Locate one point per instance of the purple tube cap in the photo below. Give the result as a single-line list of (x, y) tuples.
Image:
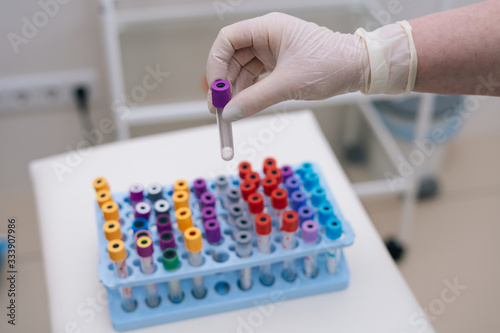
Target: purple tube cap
[(286, 171), (144, 251), (167, 240), (212, 231), (136, 192), (221, 93), (310, 231), (199, 187), (207, 200), (163, 223), (208, 213)]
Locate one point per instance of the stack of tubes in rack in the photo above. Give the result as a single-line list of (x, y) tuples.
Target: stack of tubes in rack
[(252, 213)]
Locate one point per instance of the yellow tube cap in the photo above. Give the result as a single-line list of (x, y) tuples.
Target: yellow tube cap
[(181, 185), (192, 237), (111, 211), (100, 183), (116, 250), (112, 230), (184, 218), (102, 197), (181, 199)]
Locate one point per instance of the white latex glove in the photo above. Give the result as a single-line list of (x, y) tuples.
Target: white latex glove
[(305, 62)]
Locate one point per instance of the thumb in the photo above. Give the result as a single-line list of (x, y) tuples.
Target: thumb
[(262, 94)]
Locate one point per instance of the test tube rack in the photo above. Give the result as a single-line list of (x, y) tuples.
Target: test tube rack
[(220, 268)]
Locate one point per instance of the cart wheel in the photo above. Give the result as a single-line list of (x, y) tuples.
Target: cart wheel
[(395, 248), (355, 153), (428, 189)]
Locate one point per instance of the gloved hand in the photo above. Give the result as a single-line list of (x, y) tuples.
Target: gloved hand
[(304, 62)]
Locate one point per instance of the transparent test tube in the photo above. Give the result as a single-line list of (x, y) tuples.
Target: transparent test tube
[(290, 225), (221, 95), (310, 236), (144, 247), (171, 263), (263, 228), (333, 231), (192, 237), (243, 249), (118, 254)]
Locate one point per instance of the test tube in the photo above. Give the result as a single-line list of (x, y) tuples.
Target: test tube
[(253, 177), (244, 168), (246, 189), (155, 192), (199, 187), (333, 232), (298, 199), (235, 211), (276, 174), (111, 212), (139, 224), (269, 163), (289, 227), (212, 232), (292, 184), (305, 213), (269, 184), (144, 247), (136, 193), (255, 205), (208, 199), (100, 183), (263, 228), (184, 219), (171, 263), (243, 249), (286, 172), (103, 197), (142, 233), (304, 169), (243, 224), (208, 213), (310, 236), (279, 201), (311, 180), (112, 230), (221, 95), (318, 196), (142, 210), (118, 254), (233, 196), (163, 223), (194, 244), (325, 213), (221, 186), (161, 206), (181, 199), (181, 185), (167, 240)]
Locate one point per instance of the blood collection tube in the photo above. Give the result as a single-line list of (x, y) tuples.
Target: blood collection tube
[(118, 254), (289, 227), (144, 247), (155, 192), (298, 199), (184, 219), (276, 174), (243, 249), (304, 169), (181, 185), (305, 213), (286, 172), (194, 244), (142, 233), (233, 196), (199, 187), (325, 212), (212, 232), (136, 193), (246, 189), (235, 211), (263, 228), (318, 196), (208, 213), (243, 224), (269, 163), (221, 95), (163, 223), (161, 206), (253, 177), (269, 184), (103, 197), (181, 199), (142, 210), (255, 205), (244, 168), (112, 230), (310, 236), (279, 201), (311, 180), (139, 224), (221, 186), (171, 263), (333, 232), (100, 183), (111, 211), (292, 184), (208, 199), (167, 240)]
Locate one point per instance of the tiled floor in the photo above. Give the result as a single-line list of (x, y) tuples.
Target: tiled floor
[(455, 237)]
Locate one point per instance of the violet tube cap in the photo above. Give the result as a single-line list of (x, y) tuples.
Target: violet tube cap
[(305, 213), (212, 231), (167, 240), (208, 213), (136, 193), (163, 223), (142, 210), (286, 171), (199, 187), (146, 251), (310, 231), (207, 200), (221, 93)]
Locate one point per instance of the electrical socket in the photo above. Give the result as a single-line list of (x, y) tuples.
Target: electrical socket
[(41, 91)]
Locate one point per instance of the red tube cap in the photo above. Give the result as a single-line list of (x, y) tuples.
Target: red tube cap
[(290, 221), (253, 177), (256, 203), (269, 163), (263, 225), (247, 188), (244, 169), (279, 198), (276, 174), (269, 184)]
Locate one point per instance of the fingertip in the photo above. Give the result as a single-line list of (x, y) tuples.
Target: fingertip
[(232, 113)]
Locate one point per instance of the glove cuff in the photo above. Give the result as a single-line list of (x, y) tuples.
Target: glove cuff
[(392, 58)]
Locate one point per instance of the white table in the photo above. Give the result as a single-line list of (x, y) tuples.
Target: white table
[(377, 299)]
